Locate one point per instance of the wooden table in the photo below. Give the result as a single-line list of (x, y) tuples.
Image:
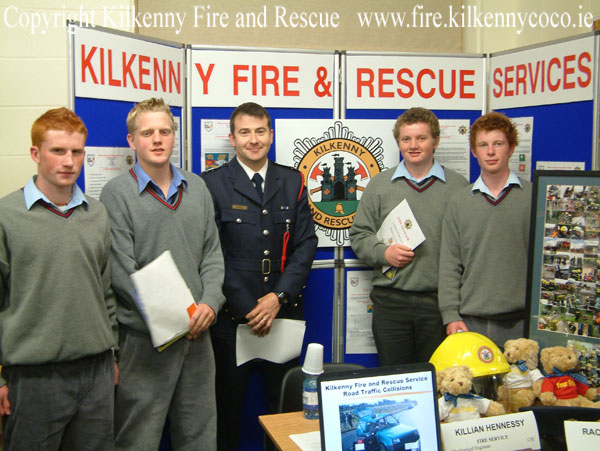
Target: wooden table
[(280, 426)]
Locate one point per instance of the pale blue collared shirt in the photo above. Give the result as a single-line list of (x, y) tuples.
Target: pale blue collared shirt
[(436, 171), (480, 185), (32, 194), (144, 179)]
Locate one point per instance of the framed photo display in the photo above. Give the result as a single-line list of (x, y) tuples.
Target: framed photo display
[(564, 264)]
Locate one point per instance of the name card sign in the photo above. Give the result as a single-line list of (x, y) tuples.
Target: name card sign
[(504, 432), (582, 434)]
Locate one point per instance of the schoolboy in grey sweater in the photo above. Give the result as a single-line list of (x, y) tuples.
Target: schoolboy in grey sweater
[(153, 208), (485, 235), (407, 325), (57, 309)]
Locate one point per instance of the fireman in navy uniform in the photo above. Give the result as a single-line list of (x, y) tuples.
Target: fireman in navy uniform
[(268, 240)]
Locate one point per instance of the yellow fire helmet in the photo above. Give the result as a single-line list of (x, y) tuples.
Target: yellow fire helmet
[(476, 351)]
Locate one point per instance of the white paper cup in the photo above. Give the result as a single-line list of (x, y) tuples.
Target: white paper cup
[(313, 361)]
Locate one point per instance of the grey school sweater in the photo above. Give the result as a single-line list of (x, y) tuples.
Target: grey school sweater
[(381, 196), (143, 227), (56, 303), (483, 260)]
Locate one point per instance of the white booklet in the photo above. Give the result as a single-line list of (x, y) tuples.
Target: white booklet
[(400, 227), (164, 300)]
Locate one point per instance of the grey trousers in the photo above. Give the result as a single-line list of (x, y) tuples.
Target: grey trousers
[(407, 325), (496, 330), (67, 406), (178, 382)]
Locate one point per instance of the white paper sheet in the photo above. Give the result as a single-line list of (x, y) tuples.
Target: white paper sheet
[(163, 299), (283, 343), (309, 441), (520, 162), (103, 164), (359, 313), (400, 226), (453, 151)]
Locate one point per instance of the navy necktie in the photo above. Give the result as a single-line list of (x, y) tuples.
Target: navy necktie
[(257, 179)]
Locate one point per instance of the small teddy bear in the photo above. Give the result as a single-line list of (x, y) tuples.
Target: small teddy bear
[(562, 386), (522, 385), (457, 403)]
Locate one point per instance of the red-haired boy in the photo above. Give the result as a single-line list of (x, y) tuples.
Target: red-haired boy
[(485, 236), (57, 309)]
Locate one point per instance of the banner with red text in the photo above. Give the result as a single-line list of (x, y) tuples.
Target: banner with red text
[(437, 82), (280, 79), (108, 65), (544, 75)]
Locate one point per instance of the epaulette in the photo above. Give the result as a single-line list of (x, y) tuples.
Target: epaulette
[(215, 168), (285, 166)]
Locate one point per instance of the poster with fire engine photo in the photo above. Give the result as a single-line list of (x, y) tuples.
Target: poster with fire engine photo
[(564, 270)]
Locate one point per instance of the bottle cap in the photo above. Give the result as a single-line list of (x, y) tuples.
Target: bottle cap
[(313, 361)]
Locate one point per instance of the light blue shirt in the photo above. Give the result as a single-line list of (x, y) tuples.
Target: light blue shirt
[(480, 186), (32, 194), (436, 171), (144, 179)]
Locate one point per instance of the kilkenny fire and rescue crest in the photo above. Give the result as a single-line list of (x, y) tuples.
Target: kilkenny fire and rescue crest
[(337, 166)]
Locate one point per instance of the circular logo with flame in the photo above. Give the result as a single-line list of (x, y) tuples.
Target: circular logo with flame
[(337, 167)]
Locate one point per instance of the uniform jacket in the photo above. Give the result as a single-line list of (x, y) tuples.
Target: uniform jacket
[(252, 237)]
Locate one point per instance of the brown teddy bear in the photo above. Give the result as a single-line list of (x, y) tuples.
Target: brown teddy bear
[(522, 385), (456, 402), (562, 386)]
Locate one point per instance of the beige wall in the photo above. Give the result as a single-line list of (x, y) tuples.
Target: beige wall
[(33, 66), (495, 39), (33, 76), (338, 25)]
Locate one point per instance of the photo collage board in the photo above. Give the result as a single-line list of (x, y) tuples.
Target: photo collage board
[(566, 268)]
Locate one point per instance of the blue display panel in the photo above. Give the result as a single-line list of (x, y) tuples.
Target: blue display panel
[(200, 113), (441, 114), (318, 311), (105, 122), (368, 360), (561, 132)]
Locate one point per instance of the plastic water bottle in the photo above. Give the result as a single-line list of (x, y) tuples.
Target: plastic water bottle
[(313, 366), (310, 397)]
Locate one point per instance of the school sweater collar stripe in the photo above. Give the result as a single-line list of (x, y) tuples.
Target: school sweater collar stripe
[(160, 199), (495, 202), (48, 206), (420, 187)]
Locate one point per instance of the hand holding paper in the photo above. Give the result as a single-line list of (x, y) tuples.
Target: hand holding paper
[(261, 317), (398, 255), (202, 316), (400, 227)]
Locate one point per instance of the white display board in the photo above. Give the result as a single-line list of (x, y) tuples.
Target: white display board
[(544, 75), (222, 78), (404, 81), (115, 66)]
